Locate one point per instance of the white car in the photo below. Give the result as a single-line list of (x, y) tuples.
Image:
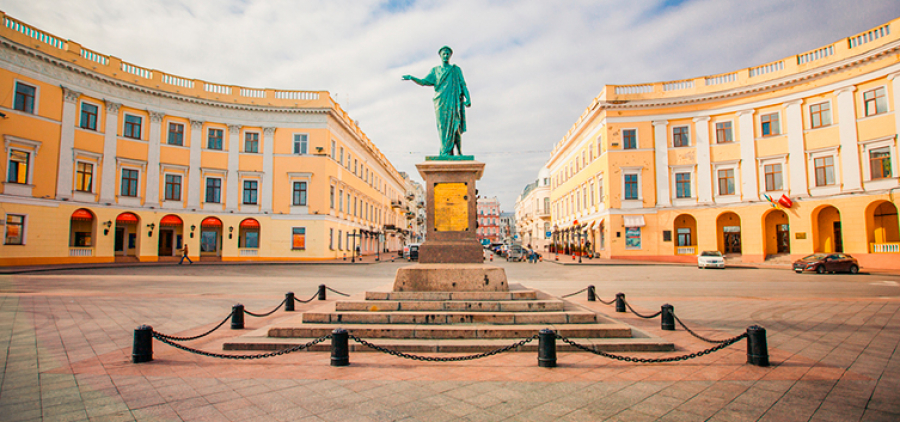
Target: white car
[(710, 259)]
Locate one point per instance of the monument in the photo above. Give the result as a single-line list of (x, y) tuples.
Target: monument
[(450, 259)]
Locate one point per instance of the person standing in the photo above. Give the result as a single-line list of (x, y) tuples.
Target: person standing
[(184, 255)]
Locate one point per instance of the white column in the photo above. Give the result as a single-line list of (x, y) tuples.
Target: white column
[(268, 178), (749, 189), (67, 145), (895, 82), (152, 197), (704, 172), (110, 140), (661, 150), (232, 198), (797, 180), (195, 187), (846, 108)]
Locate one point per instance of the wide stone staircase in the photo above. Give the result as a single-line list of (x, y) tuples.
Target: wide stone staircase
[(451, 322)]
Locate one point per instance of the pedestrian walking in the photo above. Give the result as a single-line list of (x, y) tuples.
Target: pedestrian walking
[(184, 255), (530, 254)]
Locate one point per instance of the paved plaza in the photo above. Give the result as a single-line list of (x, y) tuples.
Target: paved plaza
[(66, 339)]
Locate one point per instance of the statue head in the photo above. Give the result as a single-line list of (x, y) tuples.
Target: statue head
[(450, 50)]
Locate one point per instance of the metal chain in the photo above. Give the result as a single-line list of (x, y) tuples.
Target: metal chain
[(335, 291), (267, 313), (173, 338), (695, 334), (718, 347), (307, 300), (443, 359), (573, 294), (223, 356), (642, 316)]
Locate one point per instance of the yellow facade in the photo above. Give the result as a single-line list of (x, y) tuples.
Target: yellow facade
[(662, 171), (107, 161)]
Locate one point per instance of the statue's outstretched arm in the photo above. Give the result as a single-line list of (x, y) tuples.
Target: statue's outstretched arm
[(420, 82)]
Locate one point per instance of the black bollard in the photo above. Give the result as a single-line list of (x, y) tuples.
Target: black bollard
[(592, 294), (142, 350), (620, 302), (340, 350), (321, 292), (667, 318), (289, 302), (237, 317), (547, 348), (757, 350)]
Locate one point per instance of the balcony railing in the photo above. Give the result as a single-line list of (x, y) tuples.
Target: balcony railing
[(686, 250), (885, 247), (249, 252), (81, 251)]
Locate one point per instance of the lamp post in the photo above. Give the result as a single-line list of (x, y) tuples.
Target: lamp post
[(580, 245), (353, 252)]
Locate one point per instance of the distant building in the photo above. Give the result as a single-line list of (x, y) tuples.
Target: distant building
[(508, 228), (533, 213), (489, 220)]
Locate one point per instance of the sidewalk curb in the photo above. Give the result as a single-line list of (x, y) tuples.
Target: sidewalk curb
[(67, 267)]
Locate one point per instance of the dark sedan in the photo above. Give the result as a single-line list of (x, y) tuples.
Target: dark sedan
[(827, 262)]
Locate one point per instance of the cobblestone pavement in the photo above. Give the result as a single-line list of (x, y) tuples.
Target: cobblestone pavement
[(66, 337)]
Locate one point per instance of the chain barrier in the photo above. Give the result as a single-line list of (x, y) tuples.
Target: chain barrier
[(267, 313), (715, 348), (443, 359), (307, 300), (174, 338), (642, 316), (695, 334), (162, 338), (605, 302), (573, 294), (335, 291)]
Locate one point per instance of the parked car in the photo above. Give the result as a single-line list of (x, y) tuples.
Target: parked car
[(515, 253), (408, 248), (827, 262), (710, 259), (413, 253)]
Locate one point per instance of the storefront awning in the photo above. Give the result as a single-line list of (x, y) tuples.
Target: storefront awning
[(126, 217), (82, 215), (211, 222), (634, 221), (170, 220), (250, 224)]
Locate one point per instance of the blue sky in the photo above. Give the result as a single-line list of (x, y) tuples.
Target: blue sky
[(532, 66)]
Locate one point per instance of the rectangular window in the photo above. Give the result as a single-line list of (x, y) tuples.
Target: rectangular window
[(214, 139), (773, 177), (88, 116), (333, 150), (824, 170), (769, 124), (213, 190), (251, 142), (299, 193), (724, 133), (25, 95), (176, 134), (173, 187), (339, 237), (331, 199), (15, 229), (682, 185), (298, 238), (132, 127), (819, 115), (17, 170), (341, 201), (684, 236), (250, 191), (129, 182), (880, 162), (331, 237), (84, 177), (680, 137), (632, 238), (875, 101), (341, 155), (726, 182), (631, 186), (629, 139), (301, 141)]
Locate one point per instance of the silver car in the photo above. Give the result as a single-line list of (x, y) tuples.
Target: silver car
[(516, 253)]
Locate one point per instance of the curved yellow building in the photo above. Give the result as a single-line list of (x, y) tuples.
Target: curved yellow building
[(104, 160), (768, 163)]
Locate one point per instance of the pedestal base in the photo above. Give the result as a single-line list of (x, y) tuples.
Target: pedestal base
[(450, 252), (451, 278)]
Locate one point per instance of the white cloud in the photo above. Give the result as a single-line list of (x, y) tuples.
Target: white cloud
[(532, 66)]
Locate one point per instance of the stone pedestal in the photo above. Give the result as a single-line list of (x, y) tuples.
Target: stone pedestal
[(451, 259)]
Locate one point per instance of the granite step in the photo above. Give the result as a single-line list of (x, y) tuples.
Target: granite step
[(457, 331), (450, 306), (513, 294), (445, 318)]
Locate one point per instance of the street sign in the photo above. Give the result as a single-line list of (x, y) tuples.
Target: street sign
[(548, 235), (485, 242)]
